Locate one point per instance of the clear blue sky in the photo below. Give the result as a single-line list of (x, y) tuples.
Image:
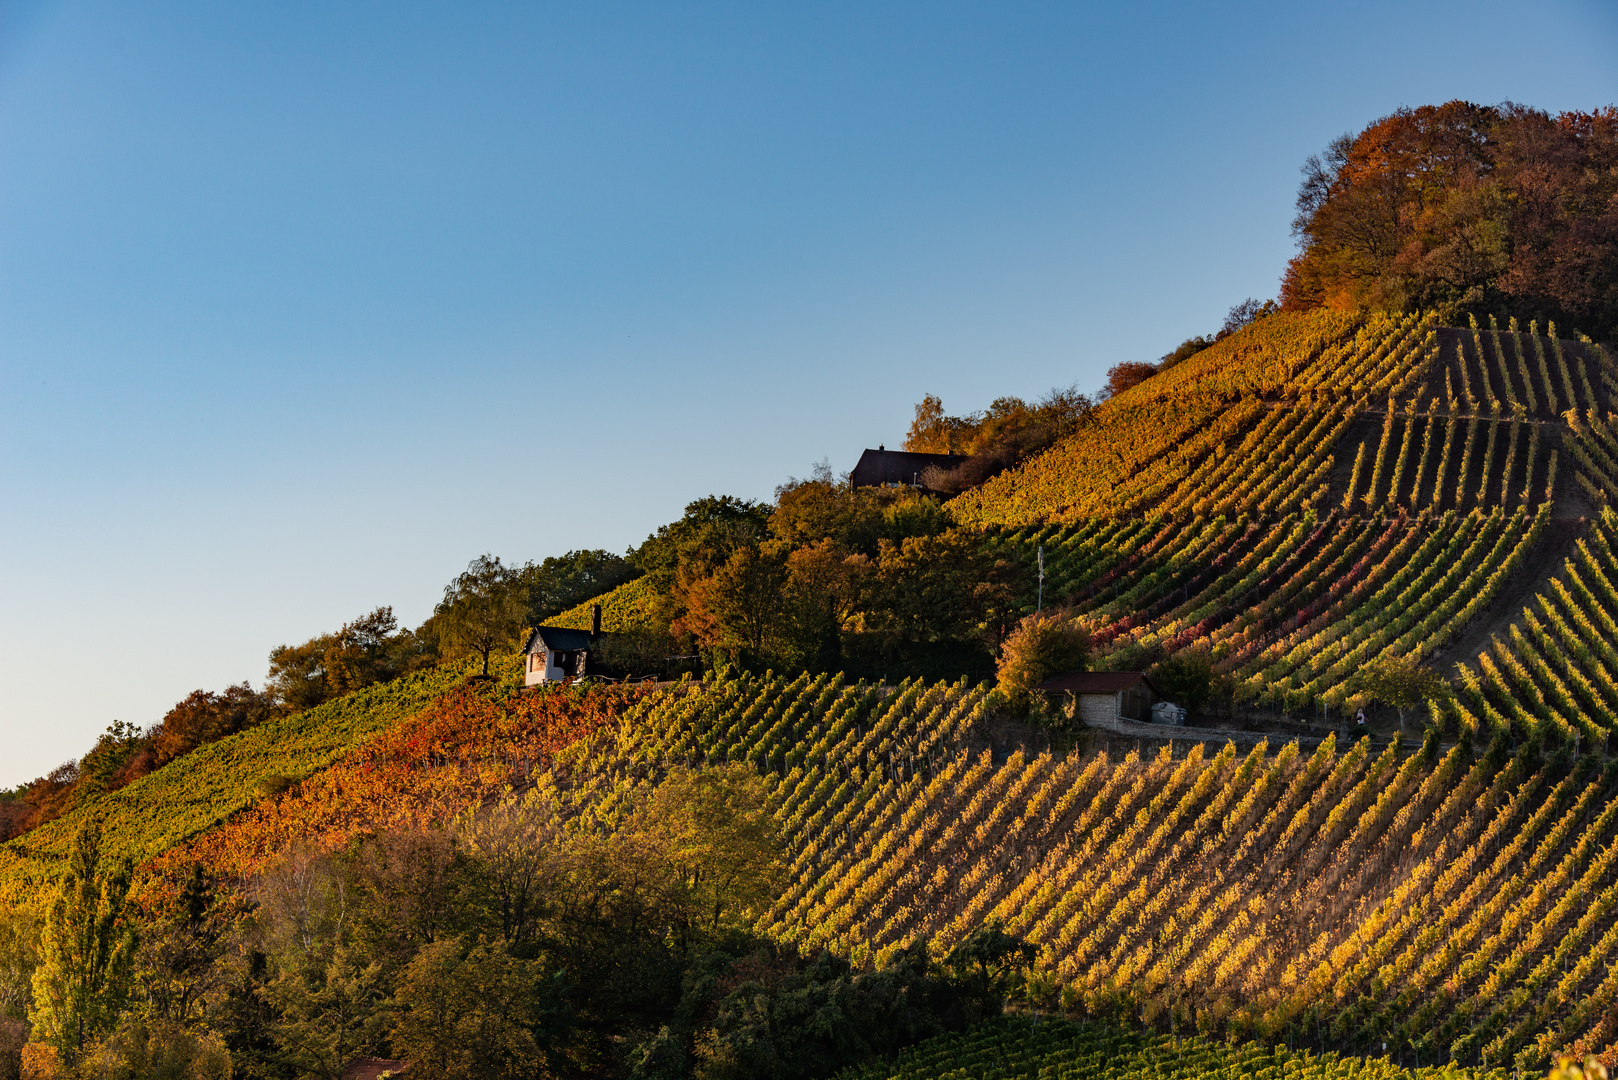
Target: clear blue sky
[(304, 305)]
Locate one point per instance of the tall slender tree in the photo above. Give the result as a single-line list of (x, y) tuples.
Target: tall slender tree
[(87, 953)]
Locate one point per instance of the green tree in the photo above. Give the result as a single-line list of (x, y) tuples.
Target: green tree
[(477, 1013), (1185, 679), (1400, 681), (937, 588), (482, 609), (327, 1016), (986, 965), (561, 582), (713, 830), (711, 529), (87, 951)]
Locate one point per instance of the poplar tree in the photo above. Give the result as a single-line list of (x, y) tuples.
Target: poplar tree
[(87, 952)]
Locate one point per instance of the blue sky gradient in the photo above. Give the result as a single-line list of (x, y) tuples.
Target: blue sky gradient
[(303, 306)]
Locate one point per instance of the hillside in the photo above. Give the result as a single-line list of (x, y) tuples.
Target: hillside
[(1384, 497), (200, 791), (1451, 903), (1322, 489), (1308, 495)]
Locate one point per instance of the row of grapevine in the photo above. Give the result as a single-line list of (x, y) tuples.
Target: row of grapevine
[(1498, 463), (1288, 609), (1535, 372), (1030, 1048), (1555, 669), (1467, 419)]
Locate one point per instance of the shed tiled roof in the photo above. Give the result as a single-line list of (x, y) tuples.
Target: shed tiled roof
[(1095, 682), (563, 638)]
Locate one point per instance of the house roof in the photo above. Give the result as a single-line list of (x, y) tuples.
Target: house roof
[(897, 467), (370, 1068), (557, 638), (1095, 682)]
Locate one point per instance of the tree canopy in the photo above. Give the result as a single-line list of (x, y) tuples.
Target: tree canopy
[(1468, 209)]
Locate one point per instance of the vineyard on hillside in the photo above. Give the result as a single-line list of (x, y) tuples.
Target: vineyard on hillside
[(199, 791), (1323, 410), (1376, 497), (465, 748), (1456, 905), (1022, 1048)]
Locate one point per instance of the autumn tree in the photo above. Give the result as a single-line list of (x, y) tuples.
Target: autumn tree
[(204, 716), (1467, 209), (1008, 431), (1043, 644), (482, 610), (1127, 376)]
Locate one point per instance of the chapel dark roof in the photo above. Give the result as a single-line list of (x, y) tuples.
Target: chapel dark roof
[(897, 467), (1095, 682), (557, 638)]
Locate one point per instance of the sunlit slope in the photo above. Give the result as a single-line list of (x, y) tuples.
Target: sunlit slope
[(1384, 502), (464, 748), (200, 790), (1436, 900), (628, 606), (1324, 410)]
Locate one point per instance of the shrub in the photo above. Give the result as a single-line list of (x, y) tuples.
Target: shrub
[(1042, 645)]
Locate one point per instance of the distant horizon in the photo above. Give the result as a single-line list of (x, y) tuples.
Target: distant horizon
[(302, 308)]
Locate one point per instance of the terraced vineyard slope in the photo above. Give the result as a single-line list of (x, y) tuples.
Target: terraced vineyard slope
[(1338, 492), (1456, 905)]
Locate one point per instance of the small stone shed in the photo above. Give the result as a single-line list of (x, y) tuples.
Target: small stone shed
[(1105, 697)]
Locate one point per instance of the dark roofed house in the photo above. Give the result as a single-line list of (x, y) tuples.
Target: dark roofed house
[(882, 466), (552, 653), (1105, 697)]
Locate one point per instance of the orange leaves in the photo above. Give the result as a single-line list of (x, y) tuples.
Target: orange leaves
[(465, 746)]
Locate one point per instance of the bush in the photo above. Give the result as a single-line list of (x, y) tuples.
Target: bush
[(1042, 645), (1185, 679)]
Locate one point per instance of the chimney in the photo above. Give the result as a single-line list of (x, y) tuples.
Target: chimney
[(595, 621)]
